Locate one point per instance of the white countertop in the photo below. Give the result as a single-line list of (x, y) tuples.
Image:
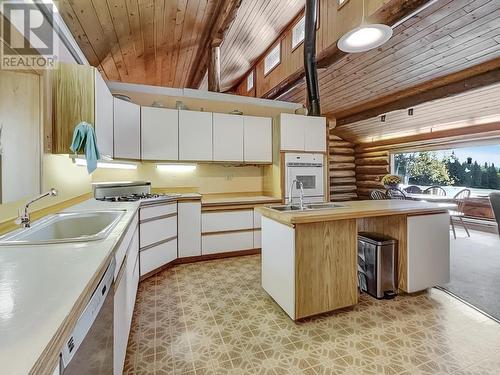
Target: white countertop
[(39, 286)]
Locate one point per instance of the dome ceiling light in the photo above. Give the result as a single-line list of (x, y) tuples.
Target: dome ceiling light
[(365, 37)]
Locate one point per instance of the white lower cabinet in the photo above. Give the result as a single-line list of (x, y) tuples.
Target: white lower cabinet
[(125, 290), (428, 251), (219, 221), (188, 229), (158, 230), (226, 242), (157, 256), (257, 239)]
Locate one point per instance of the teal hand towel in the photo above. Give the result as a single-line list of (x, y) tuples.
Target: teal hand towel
[(84, 136)]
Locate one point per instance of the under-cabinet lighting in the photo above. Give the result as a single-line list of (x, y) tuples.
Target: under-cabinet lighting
[(176, 167), (106, 165)]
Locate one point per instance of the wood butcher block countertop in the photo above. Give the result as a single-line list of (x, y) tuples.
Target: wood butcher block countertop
[(356, 210)]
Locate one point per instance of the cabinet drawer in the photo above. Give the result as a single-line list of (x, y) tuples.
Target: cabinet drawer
[(158, 210), (257, 239), (228, 220), (158, 230), (157, 256), (226, 242), (125, 244)]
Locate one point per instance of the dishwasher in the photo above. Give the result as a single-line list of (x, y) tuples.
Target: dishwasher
[(89, 348)]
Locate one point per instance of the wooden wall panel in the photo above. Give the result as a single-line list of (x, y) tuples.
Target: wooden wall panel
[(326, 276)]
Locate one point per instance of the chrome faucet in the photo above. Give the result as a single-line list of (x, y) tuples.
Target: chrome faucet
[(23, 218), (301, 197)]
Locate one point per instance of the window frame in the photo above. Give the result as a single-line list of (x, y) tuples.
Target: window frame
[(278, 44), (293, 27), (251, 74)]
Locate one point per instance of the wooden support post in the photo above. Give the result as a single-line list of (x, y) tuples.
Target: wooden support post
[(214, 69)]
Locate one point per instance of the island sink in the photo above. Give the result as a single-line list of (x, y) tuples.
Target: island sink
[(66, 227), (308, 207)]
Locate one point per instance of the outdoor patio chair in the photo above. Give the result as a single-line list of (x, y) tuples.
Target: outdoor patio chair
[(377, 195), (395, 193), (495, 204), (459, 212), (435, 190), (413, 189)]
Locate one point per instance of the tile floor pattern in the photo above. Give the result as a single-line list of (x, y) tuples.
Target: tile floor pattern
[(214, 318)]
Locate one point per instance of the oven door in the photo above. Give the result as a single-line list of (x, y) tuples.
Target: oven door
[(312, 181)]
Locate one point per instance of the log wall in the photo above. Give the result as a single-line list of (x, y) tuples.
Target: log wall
[(370, 168), (342, 170)]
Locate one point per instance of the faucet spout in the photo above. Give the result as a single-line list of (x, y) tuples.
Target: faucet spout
[(23, 218)]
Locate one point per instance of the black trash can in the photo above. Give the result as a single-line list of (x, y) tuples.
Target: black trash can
[(377, 264)]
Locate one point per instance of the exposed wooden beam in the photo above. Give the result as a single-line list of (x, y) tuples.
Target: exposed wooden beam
[(214, 69), (452, 84), (442, 138), (221, 20)]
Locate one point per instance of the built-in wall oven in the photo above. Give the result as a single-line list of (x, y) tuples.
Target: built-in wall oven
[(308, 169)]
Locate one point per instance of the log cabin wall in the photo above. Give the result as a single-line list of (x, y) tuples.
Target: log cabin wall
[(342, 170), (370, 168)]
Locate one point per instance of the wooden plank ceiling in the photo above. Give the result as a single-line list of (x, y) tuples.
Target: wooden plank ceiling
[(159, 42), (448, 37), (472, 108)]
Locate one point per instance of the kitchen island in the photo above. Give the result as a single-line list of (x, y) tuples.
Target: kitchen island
[(309, 258)]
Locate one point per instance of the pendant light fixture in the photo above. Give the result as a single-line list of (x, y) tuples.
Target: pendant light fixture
[(365, 37)]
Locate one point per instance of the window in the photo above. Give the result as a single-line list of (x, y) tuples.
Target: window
[(475, 168), (250, 81), (298, 32), (273, 58)]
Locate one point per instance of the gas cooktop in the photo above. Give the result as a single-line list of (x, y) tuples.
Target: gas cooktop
[(136, 197)]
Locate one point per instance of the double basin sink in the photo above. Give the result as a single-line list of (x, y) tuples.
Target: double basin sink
[(66, 227), (308, 207)]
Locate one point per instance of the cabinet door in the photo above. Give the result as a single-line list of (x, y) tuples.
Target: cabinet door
[(160, 133), (120, 323), (228, 137), (103, 117), (258, 139), (292, 132), (195, 135), (428, 251), (132, 281), (127, 129), (315, 134), (189, 229)]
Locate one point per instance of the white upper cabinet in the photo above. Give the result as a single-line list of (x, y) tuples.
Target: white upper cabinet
[(195, 135), (103, 116), (159, 133), (127, 129), (302, 133), (315, 134), (292, 132), (258, 139), (228, 137)]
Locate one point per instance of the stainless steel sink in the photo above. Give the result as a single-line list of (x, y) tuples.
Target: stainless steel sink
[(308, 207), (324, 206), (286, 208), (66, 227)]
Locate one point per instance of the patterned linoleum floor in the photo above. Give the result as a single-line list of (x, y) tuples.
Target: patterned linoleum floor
[(214, 318)]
